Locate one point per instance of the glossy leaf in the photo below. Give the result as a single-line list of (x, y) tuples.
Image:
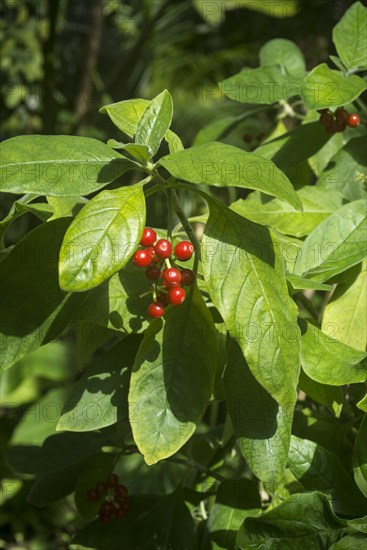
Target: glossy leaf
[(362, 404), (46, 310), (350, 542), (63, 207), (318, 469), (324, 87), (286, 53), (300, 283), (347, 309), (58, 166), (246, 281), (136, 150), (99, 398), (360, 457), (304, 521), (350, 37), (236, 499), (328, 361), (164, 405), (318, 204), (223, 165), (330, 396), (336, 244), (154, 122), (264, 85), (359, 524), (262, 427), (102, 238)]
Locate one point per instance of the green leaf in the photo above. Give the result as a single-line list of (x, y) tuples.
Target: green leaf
[(99, 398), (58, 166), (154, 122), (262, 427), (347, 309), (246, 281), (350, 37), (300, 283), (322, 157), (236, 499), (362, 404), (174, 142), (63, 207), (347, 171), (317, 205), (165, 520), (102, 238), (360, 457), (46, 310), (54, 486), (328, 361), (350, 542), (336, 244), (41, 210), (139, 152), (212, 11), (304, 521), (164, 404), (318, 469), (285, 53), (223, 165), (359, 524), (264, 85), (324, 87), (116, 304), (330, 396)]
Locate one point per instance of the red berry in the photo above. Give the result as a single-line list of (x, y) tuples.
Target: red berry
[(154, 256), (101, 488), (121, 491), (340, 126), (171, 275), (327, 120), (176, 296), (112, 480), (168, 286), (106, 509), (187, 277), (156, 309), (162, 298), (149, 237), (153, 273), (104, 519), (92, 495), (247, 138), (353, 120), (163, 249), (184, 250), (341, 115), (142, 258)]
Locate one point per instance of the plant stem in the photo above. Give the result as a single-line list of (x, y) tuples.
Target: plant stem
[(170, 214), (188, 228)]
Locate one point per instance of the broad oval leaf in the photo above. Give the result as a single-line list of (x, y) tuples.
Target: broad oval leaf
[(172, 380), (102, 238), (261, 426), (245, 278), (337, 243), (328, 361), (324, 87), (350, 37), (59, 166), (360, 457), (285, 53), (223, 165), (139, 152), (330, 396), (155, 122)]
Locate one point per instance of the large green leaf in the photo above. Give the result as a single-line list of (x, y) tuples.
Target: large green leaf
[(163, 522), (360, 457), (304, 521), (330, 396), (139, 152), (58, 166), (264, 85), (246, 281), (53, 486), (172, 380), (351, 542), (261, 426), (223, 165), (337, 243), (29, 277), (236, 499), (99, 398), (318, 204), (328, 361), (102, 238), (318, 469), (154, 122), (285, 53), (347, 309), (324, 87), (350, 37), (213, 11), (347, 170)]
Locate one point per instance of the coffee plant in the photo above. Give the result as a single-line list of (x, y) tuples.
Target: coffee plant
[(224, 401)]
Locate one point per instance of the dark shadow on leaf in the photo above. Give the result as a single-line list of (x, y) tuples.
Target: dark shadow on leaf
[(114, 169)]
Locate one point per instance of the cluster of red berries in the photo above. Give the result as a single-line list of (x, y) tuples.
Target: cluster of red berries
[(338, 121), (115, 499), (166, 281)]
